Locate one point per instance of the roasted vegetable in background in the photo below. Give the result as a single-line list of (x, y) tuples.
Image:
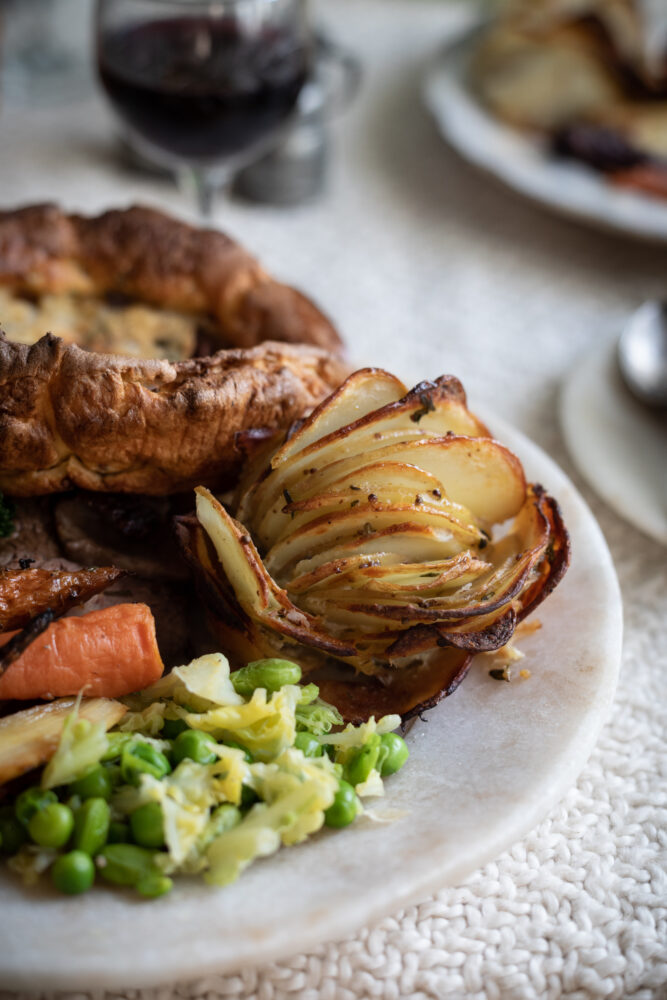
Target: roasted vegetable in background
[(25, 593), (30, 737), (366, 536)]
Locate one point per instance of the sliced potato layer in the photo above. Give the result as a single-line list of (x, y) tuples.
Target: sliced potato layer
[(365, 537)]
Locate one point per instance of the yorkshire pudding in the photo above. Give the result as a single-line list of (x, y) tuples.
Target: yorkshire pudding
[(70, 417), (134, 411), (140, 283)]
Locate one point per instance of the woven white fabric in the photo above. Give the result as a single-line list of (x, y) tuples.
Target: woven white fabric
[(429, 267)]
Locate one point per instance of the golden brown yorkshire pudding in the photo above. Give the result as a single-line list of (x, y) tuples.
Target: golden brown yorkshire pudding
[(70, 417), (140, 283)]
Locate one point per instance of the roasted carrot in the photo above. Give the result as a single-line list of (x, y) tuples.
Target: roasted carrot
[(106, 653)]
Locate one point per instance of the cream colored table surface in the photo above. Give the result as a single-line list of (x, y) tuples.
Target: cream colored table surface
[(428, 267)]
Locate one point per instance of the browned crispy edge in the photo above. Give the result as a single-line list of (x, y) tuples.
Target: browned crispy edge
[(154, 258), (72, 418)]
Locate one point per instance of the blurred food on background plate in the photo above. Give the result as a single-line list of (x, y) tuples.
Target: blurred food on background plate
[(591, 75)]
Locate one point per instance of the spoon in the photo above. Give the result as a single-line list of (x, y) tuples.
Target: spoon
[(642, 354)]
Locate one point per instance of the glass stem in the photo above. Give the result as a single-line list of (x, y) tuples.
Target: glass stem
[(202, 185)]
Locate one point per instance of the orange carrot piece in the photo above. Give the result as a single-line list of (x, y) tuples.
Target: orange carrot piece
[(106, 653)]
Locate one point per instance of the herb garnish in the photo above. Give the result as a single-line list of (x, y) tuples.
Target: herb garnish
[(289, 500), (427, 406), (500, 673)]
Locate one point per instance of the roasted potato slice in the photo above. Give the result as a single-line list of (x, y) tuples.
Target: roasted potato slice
[(479, 478), (375, 547), (432, 409), (256, 593), (346, 527)]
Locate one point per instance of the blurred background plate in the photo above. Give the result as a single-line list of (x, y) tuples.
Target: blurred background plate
[(485, 766), (520, 161), (618, 445)]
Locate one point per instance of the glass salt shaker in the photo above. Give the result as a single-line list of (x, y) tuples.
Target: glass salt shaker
[(294, 170)]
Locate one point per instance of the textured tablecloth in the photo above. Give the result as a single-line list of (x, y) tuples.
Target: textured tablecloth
[(429, 267)]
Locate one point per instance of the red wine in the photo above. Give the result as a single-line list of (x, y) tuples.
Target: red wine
[(200, 89)]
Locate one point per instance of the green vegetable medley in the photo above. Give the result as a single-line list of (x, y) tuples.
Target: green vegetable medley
[(206, 772)]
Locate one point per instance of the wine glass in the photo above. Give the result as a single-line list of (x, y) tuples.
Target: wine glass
[(203, 88)]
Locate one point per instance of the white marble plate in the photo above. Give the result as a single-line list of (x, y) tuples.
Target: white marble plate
[(484, 769), (523, 164), (618, 446)]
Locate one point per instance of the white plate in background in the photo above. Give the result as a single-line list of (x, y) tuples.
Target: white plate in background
[(618, 445), (519, 161)]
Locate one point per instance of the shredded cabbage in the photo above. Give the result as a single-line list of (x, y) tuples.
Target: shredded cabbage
[(251, 789), (82, 746), (202, 684), (357, 736), (266, 724), (317, 717), (296, 791)]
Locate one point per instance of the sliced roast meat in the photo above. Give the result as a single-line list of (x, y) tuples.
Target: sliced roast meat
[(34, 539), (133, 533)]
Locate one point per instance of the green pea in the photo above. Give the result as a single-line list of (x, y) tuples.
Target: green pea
[(52, 825), (142, 758), (96, 783), (172, 728), (271, 674), (222, 819), (126, 864), (73, 873), (394, 753), (91, 826), (30, 801), (153, 886), (344, 807), (196, 745), (308, 745), (119, 833), (12, 834), (362, 761), (147, 825)]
